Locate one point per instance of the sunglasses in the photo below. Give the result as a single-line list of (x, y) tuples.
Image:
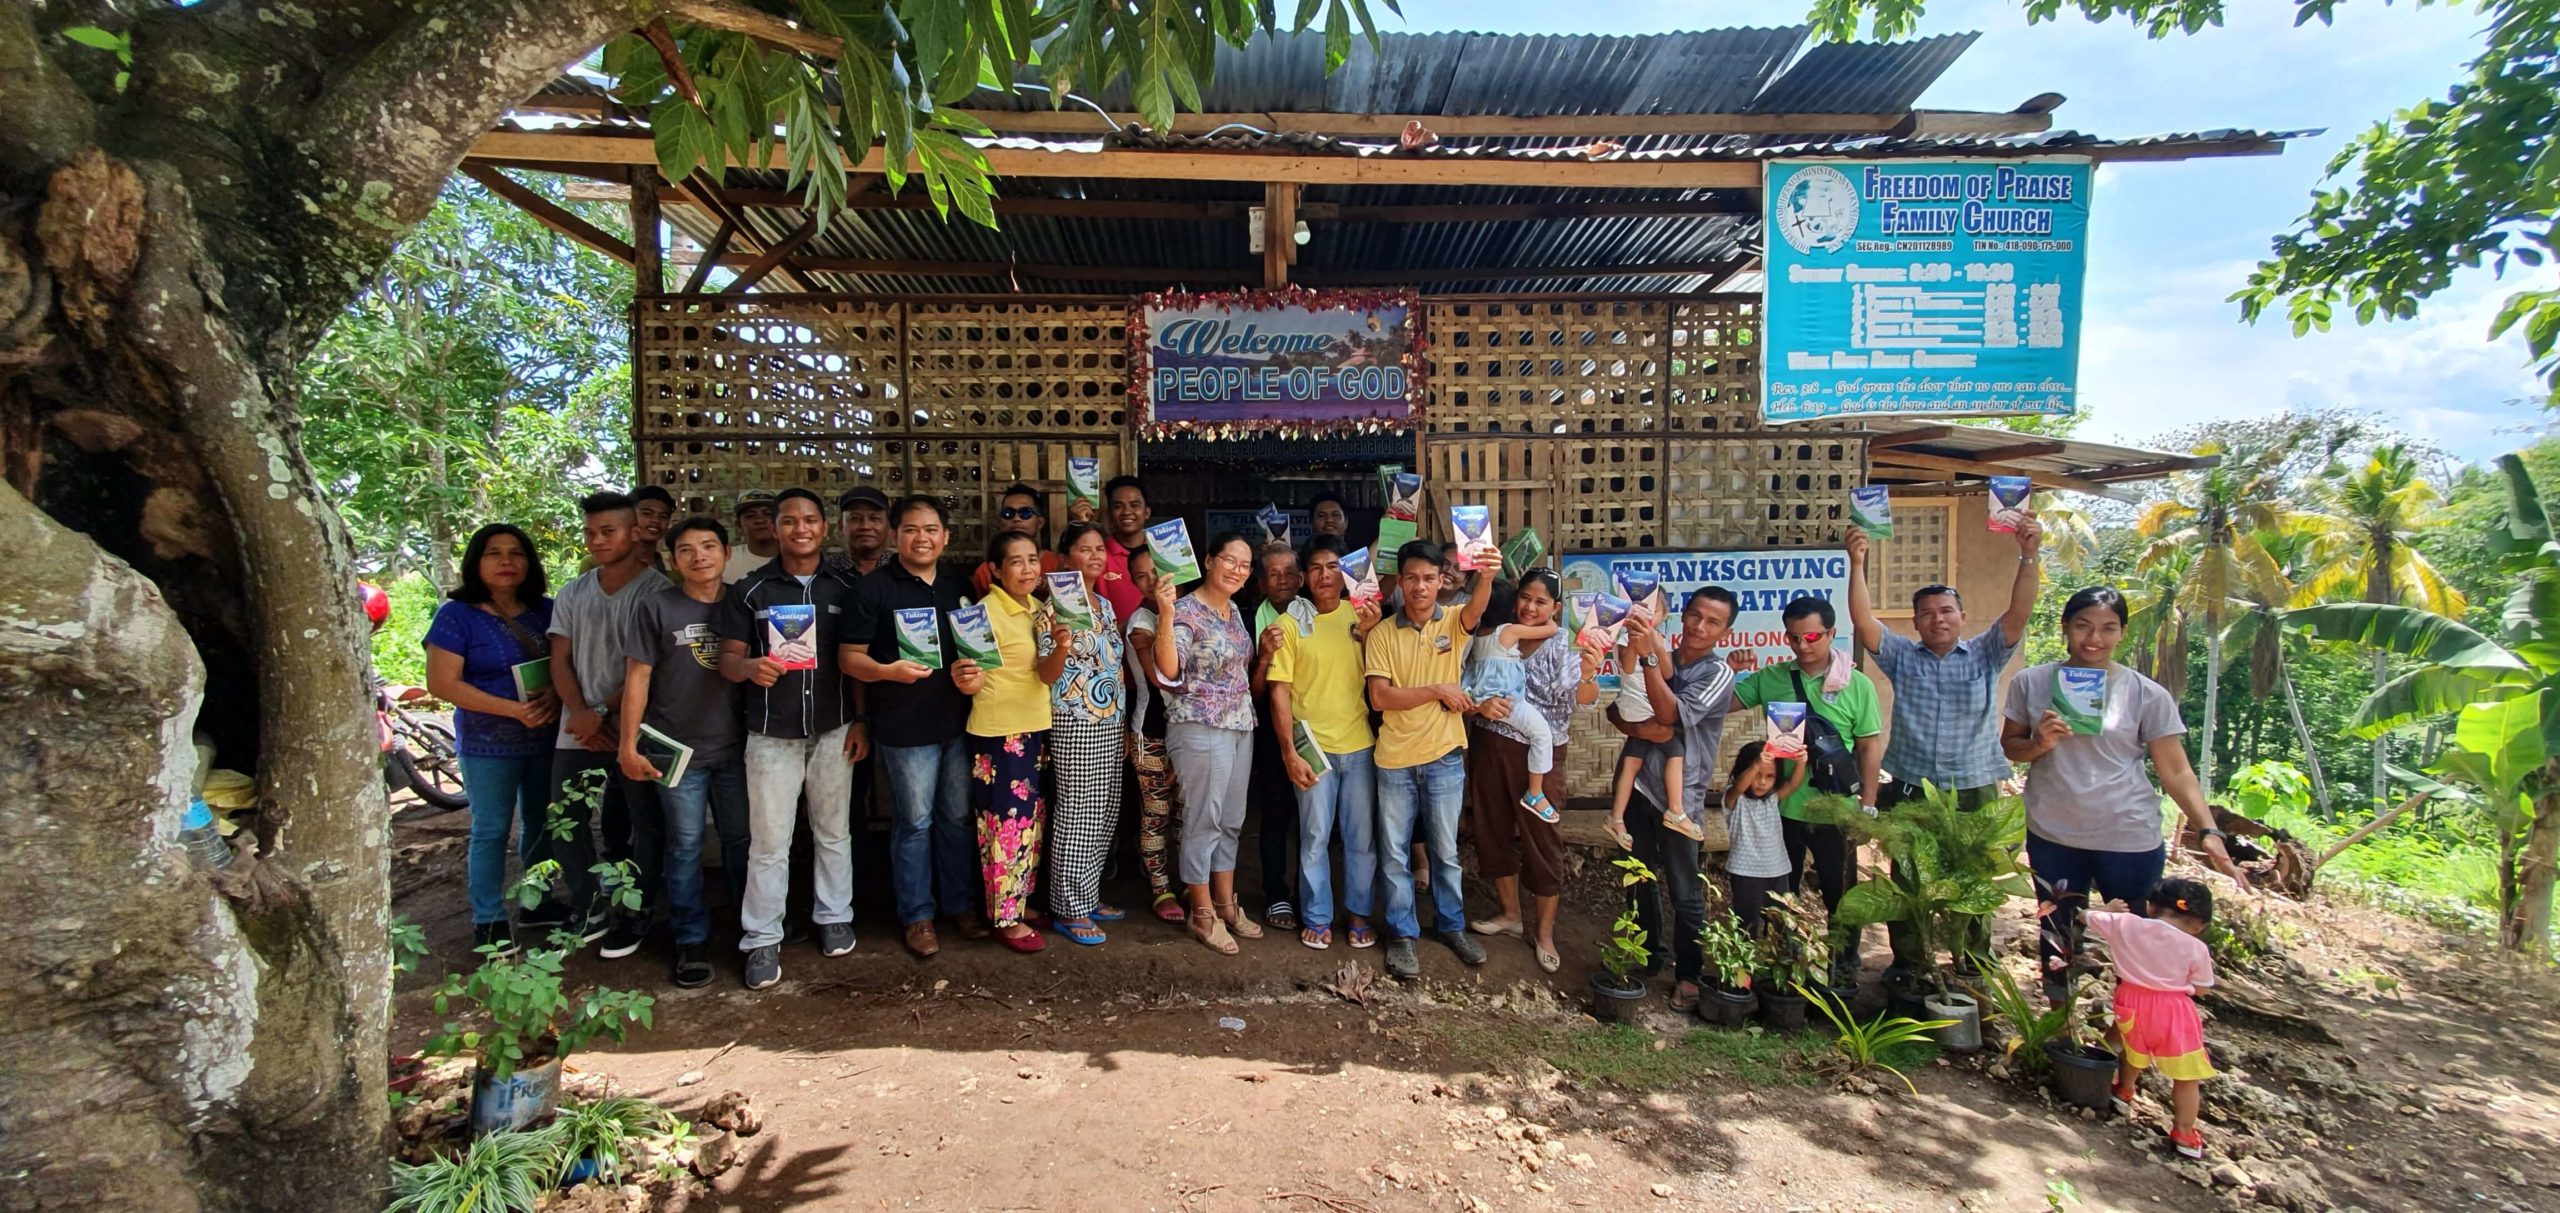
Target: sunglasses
[(1015, 513), (1808, 637)]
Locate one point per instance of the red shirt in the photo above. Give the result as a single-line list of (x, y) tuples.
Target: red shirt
[(1116, 586), (985, 577)]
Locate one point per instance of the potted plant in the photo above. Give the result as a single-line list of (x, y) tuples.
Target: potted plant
[(531, 1021), (1618, 987), (1730, 952), (1792, 953), (1951, 867)]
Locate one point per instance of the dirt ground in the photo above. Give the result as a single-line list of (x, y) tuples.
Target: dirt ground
[(2418, 1076)]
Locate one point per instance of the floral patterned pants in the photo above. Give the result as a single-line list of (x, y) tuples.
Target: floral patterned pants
[(1004, 788), (1159, 807)]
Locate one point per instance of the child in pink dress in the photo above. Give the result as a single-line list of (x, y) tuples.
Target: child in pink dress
[(2161, 961)]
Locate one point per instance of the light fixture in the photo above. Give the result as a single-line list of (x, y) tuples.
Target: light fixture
[(1300, 233)]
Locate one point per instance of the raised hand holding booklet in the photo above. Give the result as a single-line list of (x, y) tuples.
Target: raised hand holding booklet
[(1067, 599), (1523, 551), (1579, 608), (1275, 522), (1360, 575), (2080, 695), (974, 634), (2009, 502), (1609, 615), (1872, 509), (1084, 479), (1170, 541), (1786, 730), (1404, 497), (920, 636), (791, 635), (1470, 535), (1638, 587)]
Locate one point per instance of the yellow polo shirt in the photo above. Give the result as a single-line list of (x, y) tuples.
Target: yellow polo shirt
[(1013, 699), (1407, 655), (1327, 687)]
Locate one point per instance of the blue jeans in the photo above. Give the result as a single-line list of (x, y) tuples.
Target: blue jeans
[(500, 788), (2066, 876), (933, 841), (1426, 798), (1344, 799), (722, 790)]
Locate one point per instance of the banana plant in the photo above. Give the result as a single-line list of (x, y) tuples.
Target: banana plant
[(2504, 694), (1950, 866)]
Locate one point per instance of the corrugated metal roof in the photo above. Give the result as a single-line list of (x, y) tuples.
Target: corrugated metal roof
[(1861, 77), (2075, 458)]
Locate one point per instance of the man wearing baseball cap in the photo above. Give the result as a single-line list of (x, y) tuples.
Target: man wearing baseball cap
[(865, 528), (757, 544)]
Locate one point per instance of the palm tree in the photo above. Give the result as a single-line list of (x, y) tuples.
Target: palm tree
[(2362, 531), (2216, 516), (2157, 628), (2070, 534)]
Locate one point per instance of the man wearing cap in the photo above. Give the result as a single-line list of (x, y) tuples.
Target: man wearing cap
[(756, 543), (865, 527)]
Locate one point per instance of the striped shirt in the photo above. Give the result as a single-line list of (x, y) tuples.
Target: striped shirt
[(1946, 710)]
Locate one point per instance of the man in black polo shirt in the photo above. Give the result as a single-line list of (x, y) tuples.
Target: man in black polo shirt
[(915, 718)]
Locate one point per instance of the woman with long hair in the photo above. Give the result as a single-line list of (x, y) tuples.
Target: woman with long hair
[(1518, 847), (493, 624)]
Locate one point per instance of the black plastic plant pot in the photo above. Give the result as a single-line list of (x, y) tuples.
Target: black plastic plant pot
[(1612, 1002), (1782, 1012), (1726, 1008), (2084, 1076)]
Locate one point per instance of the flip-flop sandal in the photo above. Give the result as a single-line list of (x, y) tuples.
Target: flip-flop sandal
[(1281, 916), (1169, 909), (1540, 807), (1364, 935), (1318, 938), (1080, 930), (1108, 914)]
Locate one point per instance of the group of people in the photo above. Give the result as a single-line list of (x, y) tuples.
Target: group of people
[(1375, 726)]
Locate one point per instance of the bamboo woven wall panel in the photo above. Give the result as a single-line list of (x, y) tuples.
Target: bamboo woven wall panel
[(1517, 479), (1915, 555), (753, 368), (1611, 494), (1714, 346), (1578, 367), (1014, 368), (1781, 489), (706, 476)]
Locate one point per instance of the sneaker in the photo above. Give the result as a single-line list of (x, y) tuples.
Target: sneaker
[(764, 967), (693, 966), (624, 936), (2190, 1142), (1401, 962), (1464, 945), (835, 938), (543, 917), (485, 933)]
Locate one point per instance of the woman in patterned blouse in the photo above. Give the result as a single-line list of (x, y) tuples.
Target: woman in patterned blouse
[(1085, 744), (1205, 657)]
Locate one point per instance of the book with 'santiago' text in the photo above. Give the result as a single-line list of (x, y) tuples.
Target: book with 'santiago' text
[(1872, 509), (1609, 617), (666, 753), (1786, 730), (791, 635), (1360, 575), (532, 677), (1470, 535), (1275, 522), (1393, 534), (1303, 739), (920, 636), (1068, 601), (2009, 501), (1523, 551), (1404, 498), (1639, 588), (974, 634), (1084, 479), (1170, 542), (2080, 695)]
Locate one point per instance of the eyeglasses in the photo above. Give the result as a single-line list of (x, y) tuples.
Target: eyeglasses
[(1232, 562), (1014, 513)]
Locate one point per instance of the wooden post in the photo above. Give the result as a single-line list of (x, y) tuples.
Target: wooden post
[(648, 258), (1279, 231)]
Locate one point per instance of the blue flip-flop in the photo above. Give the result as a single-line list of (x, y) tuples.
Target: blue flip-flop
[(1108, 914), (1089, 936)]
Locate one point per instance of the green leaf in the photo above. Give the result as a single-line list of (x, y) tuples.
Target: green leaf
[(2509, 734), (682, 133), (2430, 691), (1873, 901), (2405, 631), (96, 39)]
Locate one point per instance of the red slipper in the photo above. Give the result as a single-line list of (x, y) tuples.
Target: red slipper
[(1026, 943)]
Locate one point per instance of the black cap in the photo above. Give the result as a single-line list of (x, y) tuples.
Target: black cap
[(863, 494)]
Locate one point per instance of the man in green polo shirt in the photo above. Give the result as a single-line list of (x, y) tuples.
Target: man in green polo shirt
[(1821, 678)]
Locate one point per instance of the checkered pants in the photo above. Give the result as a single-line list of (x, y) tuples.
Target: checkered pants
[(1084, 766)]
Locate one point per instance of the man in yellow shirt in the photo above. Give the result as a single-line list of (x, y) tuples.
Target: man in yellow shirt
[(1316, 679), (1413, 664)]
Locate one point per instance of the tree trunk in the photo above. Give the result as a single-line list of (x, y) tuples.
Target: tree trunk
[(2310, 753), (2212, 699), (2381, 674), (2529, 921)]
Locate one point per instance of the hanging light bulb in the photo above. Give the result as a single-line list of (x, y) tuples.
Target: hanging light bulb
[(1299, 233)]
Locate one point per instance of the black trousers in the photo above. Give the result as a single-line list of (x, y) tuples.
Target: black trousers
[(642, 823), (1678, 876), (1273, 801)]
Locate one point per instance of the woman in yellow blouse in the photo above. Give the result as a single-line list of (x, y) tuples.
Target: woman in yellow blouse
[(1008, 734)]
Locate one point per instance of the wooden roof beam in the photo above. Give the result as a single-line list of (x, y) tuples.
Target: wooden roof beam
[(550, 214), (1222, 212), (1899, 457), (2021, 450), (772, 258), (1513, 273), (705, 198), (1905, 437)]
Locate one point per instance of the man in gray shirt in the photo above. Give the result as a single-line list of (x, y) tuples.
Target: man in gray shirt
[(1697, 692)]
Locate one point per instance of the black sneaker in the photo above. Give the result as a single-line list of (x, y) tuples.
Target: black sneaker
[(764, 967), (1401, 962), (543, 917), (485, 933), (1464, 945), (693, 966), (835, 938), (624, 936)]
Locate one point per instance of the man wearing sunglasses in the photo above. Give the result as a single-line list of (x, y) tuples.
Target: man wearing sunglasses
[(1023, 510), (1821, 677)]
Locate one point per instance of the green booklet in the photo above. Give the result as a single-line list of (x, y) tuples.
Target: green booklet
[(1393, 534), (2080, 695), (532, 678), (1084, 479), (669, 755), (1068, 601), (920, 636), (1303, 739), (1170, 543), (1872, 509), (1523, 551), (974, 634)]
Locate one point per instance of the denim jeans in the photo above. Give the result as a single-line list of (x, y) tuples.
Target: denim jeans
[(722, 791), (933, 841), (1424, 800), (779, 769), (501, 789), (1345, 801)]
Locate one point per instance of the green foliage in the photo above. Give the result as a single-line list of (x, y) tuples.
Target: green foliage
[(408, 944), (1633, 1059), (1949, 868), (119, 45), (2029, 1029), (1729, 950), (1625, 949), (2240, 936), (602, 1131), (1879, 1043), (531, 1017), (2263, 789), (500, 1173), (1794, 946), (896, 70), (400, 648)]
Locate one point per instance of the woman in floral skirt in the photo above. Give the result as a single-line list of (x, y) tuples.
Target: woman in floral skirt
[(1008, 735)]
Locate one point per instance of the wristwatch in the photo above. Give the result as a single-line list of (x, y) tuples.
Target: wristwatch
[(1648, 661)]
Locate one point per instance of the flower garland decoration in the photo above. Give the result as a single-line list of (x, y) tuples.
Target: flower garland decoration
[(1409, 357)]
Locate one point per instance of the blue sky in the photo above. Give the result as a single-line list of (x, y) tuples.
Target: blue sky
[(2170, 241)]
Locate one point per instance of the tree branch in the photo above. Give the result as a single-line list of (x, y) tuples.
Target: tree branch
[(49, 120)]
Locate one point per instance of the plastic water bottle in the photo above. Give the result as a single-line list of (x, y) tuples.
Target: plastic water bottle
[(197, 833)]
